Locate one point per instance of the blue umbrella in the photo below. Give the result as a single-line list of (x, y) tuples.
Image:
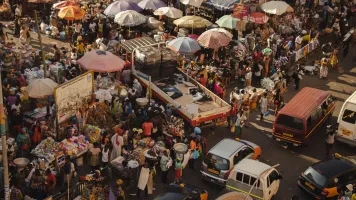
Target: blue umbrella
[(184, 45), (119, 6), (151, 4)]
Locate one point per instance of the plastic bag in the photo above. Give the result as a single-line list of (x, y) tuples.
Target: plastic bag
[(195, 154), (267, 113), (232, 129)]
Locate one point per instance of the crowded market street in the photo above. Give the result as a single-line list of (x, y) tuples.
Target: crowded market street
[(110, 110)]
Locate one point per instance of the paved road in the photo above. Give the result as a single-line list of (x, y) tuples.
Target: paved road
[(341, 83)]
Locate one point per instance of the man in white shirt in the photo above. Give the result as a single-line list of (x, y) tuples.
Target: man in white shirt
[(16, 106), (240, 120), (77, 30), (330, 139), (298, 42), (18, 11)]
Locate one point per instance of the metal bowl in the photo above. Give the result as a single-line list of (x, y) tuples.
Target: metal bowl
[(142, 102), (180, 148), (21, 162)]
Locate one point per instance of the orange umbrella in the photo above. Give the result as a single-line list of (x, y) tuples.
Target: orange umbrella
[(71, 13), (62, 4)]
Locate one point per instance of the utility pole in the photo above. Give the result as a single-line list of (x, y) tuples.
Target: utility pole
[(4, 145), (41, 47)]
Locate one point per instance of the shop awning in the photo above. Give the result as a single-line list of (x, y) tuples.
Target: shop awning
[(130, 45), (223, 4)]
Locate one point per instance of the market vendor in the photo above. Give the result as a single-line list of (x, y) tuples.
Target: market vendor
[(51, 182), (23, 143)]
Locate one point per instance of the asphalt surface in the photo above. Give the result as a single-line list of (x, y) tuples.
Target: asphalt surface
[(340, 82)]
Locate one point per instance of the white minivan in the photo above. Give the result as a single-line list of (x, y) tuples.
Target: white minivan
[(255, 178), (346, 131)]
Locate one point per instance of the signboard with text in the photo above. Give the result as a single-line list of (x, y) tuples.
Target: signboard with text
[(240, 12)]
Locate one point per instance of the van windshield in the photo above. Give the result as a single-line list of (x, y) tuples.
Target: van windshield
[(216, 162), (290, 122)]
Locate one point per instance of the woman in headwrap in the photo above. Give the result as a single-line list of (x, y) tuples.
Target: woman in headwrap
[(23, 142)]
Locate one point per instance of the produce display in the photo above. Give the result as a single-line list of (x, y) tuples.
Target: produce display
[(93, 133)]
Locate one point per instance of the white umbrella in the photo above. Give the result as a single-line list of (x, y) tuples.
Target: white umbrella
[(170, 12), (276, 7), (151, 4), (39, 88), (129, 18), (195, 3)]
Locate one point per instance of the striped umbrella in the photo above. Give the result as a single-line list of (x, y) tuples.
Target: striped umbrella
[(71, 13), (214, 39)]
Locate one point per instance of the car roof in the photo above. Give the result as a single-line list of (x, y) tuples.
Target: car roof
[(252, 167), (303, 104), (332, 167), (226, 147)]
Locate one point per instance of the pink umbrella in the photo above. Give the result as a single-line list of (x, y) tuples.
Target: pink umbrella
[(101, 61), (214, 39), (258, 18)]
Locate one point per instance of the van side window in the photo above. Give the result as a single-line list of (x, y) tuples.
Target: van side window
[(239, 176), (253, 180), (349, 116), (246, 179)]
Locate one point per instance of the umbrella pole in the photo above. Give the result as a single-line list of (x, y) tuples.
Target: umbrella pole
[(41, 47)]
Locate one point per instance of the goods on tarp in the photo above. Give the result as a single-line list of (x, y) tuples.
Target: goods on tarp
[(75, 146), (34, 73), (47, 149)]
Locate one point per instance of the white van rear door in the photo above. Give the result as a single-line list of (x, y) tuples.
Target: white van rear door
[(347, 124)]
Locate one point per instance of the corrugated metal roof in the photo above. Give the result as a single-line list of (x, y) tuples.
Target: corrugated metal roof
[(130, 45), (304, 103)]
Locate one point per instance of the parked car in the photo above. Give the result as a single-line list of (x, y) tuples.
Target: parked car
[(221, 159), (255, 178), (182, 192), (324, 179)]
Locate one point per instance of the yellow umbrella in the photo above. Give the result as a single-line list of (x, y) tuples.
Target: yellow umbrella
[(71, 13), (192, 22)]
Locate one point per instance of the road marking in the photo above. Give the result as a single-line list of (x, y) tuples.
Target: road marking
[(313, 160)]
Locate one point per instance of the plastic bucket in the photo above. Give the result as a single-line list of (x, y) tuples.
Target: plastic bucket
[(62, 35)]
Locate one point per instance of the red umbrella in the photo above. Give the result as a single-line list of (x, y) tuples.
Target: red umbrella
[(101, 61), (63, 4), (258, 18)]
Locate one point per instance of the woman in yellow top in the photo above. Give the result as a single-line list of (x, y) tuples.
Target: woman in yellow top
[(334, 60), (80, 46)]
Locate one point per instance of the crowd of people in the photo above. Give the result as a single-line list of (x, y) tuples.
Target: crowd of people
[(144, 137)]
